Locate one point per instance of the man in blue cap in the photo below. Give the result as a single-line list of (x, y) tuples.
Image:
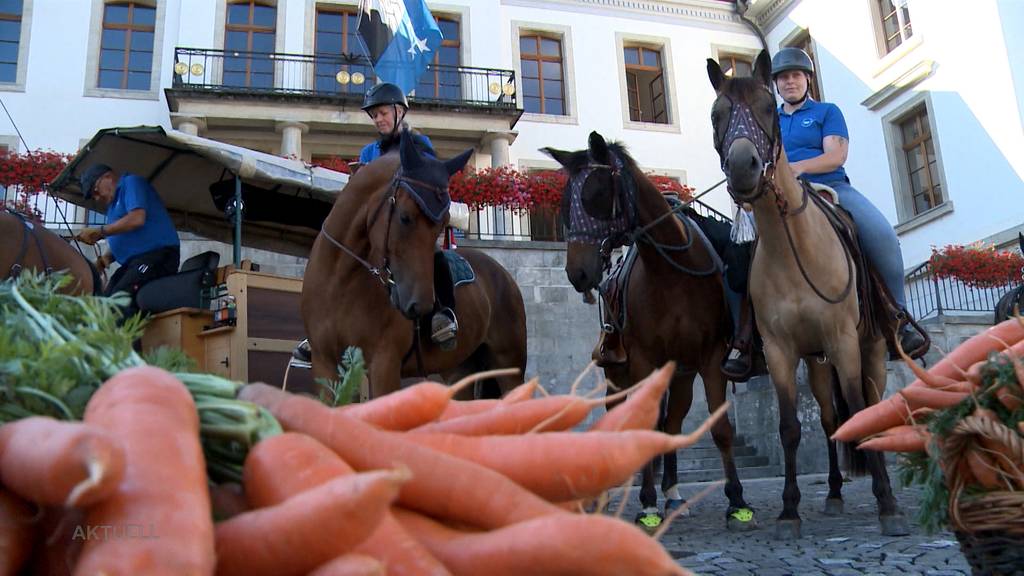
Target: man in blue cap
[(139, 232)]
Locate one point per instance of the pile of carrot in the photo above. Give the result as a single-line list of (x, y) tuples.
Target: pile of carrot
[(410, 483), (900, 423)]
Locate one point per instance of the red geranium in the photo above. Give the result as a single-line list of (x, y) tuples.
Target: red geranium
[(977, 265), (27, 174)]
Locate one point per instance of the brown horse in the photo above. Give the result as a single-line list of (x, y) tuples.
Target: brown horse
[(370, 280), (675, 303), (28, 245), (800, 287)]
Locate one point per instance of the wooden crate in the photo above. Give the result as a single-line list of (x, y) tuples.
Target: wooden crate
[(178, 328)]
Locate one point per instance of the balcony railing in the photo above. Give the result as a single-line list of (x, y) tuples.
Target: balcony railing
[(929, 295), (346, 77)]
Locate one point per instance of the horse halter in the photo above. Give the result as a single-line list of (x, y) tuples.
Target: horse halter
[(743, 124), (603, 232)]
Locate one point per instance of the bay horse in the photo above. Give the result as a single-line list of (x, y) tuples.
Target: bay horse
[(800, 282), (675, 303), (370, 278), (1013, 301), (28, 245)]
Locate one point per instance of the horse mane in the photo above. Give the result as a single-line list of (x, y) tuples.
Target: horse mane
[(579, 159)]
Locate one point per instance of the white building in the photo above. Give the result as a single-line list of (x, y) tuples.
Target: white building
[(633, 70)]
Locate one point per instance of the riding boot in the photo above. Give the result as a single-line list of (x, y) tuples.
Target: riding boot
[(914, 343), (444, 326), (742, 367), (610, 349)]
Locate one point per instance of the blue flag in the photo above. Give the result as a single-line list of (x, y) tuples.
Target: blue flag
[(400, 38)]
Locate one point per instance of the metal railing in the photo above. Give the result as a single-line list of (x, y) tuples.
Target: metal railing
[(928, 295), (346, 76), (57, 214)]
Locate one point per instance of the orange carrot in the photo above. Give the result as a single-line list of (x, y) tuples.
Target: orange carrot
[(227, 500), (921, 397), (640, 411), (280, 467), (573, 465), (977, 348), (17, 531), (59, 463), (892, 411), (552, 413), (445, 487), (351, 565), (522, 392), (566, 544), (407, 408), (308, 529), (158, 521), (459, 408), (899, 439)]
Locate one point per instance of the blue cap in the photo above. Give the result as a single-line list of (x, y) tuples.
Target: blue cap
[(89, 177)]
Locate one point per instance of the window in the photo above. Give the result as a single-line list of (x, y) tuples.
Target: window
[(543, 88), (126, 46), (441, 80), (805, 43), (336, 43), (10, 38), (248, 43), (645, 85), (733, 65), (894, 16), (919, 163)]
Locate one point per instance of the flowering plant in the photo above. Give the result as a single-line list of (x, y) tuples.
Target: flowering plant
[(336, 163), (28, 174), (977, 265)]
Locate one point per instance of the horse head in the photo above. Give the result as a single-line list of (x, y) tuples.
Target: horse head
[(746, 127), (405, 225), (598, 207)]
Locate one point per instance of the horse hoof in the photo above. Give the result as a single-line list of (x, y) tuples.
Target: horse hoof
[(787, 529), (649, 520), (894, 525), (740, 520), (673, 504), (833, 506)]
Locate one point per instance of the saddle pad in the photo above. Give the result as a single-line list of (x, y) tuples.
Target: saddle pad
[(459, 269), (826, 191)]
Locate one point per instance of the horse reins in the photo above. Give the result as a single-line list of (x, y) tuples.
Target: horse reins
[(28, 229)]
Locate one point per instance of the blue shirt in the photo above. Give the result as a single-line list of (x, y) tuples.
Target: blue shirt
[(157, 231), (804, 132), (371, 151)]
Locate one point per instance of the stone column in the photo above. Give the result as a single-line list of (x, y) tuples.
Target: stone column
[(291, 138), (189, 124), (498, 143)]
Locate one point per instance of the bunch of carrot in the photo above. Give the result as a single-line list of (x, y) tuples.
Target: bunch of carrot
[(967, 383), (410, 483)]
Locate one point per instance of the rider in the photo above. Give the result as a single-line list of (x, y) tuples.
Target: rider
[(817, 142), (139, 232)]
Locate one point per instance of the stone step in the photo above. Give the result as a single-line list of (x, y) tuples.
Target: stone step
[(744, 473), (707, 442), (715, 464), (712, 451)]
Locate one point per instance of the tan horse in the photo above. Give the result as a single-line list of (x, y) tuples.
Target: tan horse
[(802, 284), (370, 280), (28, 245)]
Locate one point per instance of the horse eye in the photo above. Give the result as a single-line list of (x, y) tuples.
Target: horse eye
[(404, 218)]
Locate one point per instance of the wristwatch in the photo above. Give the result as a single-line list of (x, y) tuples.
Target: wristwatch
[(103, 231)]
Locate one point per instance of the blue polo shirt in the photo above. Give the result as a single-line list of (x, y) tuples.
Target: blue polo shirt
[(371, 151), (804, 130), (134, 192)]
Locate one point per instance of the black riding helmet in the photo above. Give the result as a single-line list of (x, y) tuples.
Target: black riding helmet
[(791, 58), (384, 93)]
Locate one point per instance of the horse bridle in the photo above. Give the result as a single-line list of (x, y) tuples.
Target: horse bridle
[(747, 125), (27, 230), (383, 273)]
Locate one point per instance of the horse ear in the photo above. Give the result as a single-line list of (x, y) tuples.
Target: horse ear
[(561, 156), (453, 165), (412, 158), (715, 74), (598, 147), (763, 68)]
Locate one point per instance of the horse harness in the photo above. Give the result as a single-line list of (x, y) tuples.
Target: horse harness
[(28, 230)]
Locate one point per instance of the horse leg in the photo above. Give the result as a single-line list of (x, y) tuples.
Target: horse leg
[(740, 516), (820, 376), (680, 397), (385, 373), (782, 367), (892, 521)]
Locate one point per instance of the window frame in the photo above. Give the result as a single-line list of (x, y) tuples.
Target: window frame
[(95, 43), (345, 10), (21, 64), (250, 29), (801, 38), (540, 59), (664, 46), (564, 34), (878, 25), (445, 43), (129, 29)]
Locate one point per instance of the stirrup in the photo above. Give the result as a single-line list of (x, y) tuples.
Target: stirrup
[(302, 356), (444, 328)]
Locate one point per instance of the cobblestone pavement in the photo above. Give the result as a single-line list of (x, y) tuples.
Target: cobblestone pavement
[(850, 544)]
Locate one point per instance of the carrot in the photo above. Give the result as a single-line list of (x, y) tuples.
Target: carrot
[(407, 408), (158, 521), (892, 411), (571, 465), (522, 392), (287, 464), (308, 529), (459, 408), (640, 411), (227, 500), (59, 542), (59, 463), (930, 398), (899, 439), (566, 544), (926, 377), (17, 531), (552, 413), (351, 565), (445, 487), (978, 347)]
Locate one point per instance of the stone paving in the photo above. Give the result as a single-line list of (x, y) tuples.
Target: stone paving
[(850, 544)]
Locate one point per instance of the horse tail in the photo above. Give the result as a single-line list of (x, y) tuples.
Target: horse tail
[(854, 461)]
